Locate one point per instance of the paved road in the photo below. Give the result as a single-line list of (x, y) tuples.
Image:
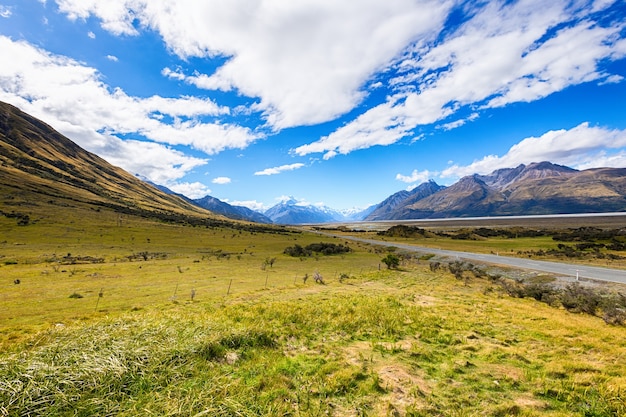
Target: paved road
[(557, 268)]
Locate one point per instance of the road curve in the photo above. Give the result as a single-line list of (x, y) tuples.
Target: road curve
[(557, 268)]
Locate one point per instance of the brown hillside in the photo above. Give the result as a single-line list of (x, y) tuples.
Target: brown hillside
[(38, 165), (539, 188)]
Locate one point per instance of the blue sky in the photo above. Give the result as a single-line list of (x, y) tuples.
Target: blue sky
[(339, 103)]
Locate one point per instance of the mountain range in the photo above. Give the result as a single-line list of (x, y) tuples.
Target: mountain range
[(290, 211), (39, 164), (537, 188)]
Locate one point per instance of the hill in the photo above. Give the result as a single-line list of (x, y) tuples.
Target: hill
[(39, 166), (537, 188)]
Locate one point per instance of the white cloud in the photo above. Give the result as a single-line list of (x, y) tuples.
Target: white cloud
[(5, 11), (72, 97), (416, 176), (112, 58), (581, 147), (602, 159), (500, 56), (612, 79), (159, 163), (91, 35), (191, 190), (458, 123), (251, 204), (116, 17), (278, 170), (307, 61), (221, 180), (173, 74)]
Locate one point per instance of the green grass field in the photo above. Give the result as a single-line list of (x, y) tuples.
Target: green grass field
[(537, 247), (257, 340)]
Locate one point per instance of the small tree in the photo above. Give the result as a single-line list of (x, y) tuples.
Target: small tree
[(270, 261), (392, 261)]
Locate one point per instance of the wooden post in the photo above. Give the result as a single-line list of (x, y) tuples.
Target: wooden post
[(231, 283), (100, 295)]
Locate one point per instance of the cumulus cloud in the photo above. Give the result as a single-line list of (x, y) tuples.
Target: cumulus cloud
[(73, 98), (193, 190), (221, 180), (310, 58), (112, 58), (251, 204), (157, 162), (416, 176), (506, 52), (581, 147), (278, 170)]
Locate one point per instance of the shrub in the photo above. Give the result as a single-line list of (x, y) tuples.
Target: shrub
[(319, 248), (615, 316), (614, 309), (581, 299), (392, 261), (457, 268), (296, 251), (434, 266), (403, 231)]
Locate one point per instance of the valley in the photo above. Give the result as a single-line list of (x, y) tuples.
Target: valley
[(137, 315), (119, 298)]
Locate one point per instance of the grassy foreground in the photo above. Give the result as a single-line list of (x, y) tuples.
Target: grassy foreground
[(258, 340)]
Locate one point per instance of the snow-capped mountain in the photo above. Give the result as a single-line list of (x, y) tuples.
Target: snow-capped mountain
[(292, 211)]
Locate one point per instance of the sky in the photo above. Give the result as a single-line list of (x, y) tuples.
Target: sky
[(340, 103)]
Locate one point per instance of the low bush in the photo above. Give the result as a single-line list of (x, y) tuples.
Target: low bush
[(318, 248), (574, 298)]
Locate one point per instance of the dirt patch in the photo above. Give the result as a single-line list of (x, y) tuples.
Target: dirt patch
[(403, 388), (355, 354), (425, 300), (530, 402)]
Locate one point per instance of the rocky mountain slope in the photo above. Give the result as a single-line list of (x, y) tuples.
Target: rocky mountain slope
[(218, 206), (389, 206), (537, 188), (232, 212)]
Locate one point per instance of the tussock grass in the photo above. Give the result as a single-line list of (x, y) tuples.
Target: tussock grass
[(389, 343), (257, 340)]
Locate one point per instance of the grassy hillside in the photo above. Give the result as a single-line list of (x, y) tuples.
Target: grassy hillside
[(39, 166), (257, 339)]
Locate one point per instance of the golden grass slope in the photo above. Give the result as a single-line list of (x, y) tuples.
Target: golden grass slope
[(39, 165)]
